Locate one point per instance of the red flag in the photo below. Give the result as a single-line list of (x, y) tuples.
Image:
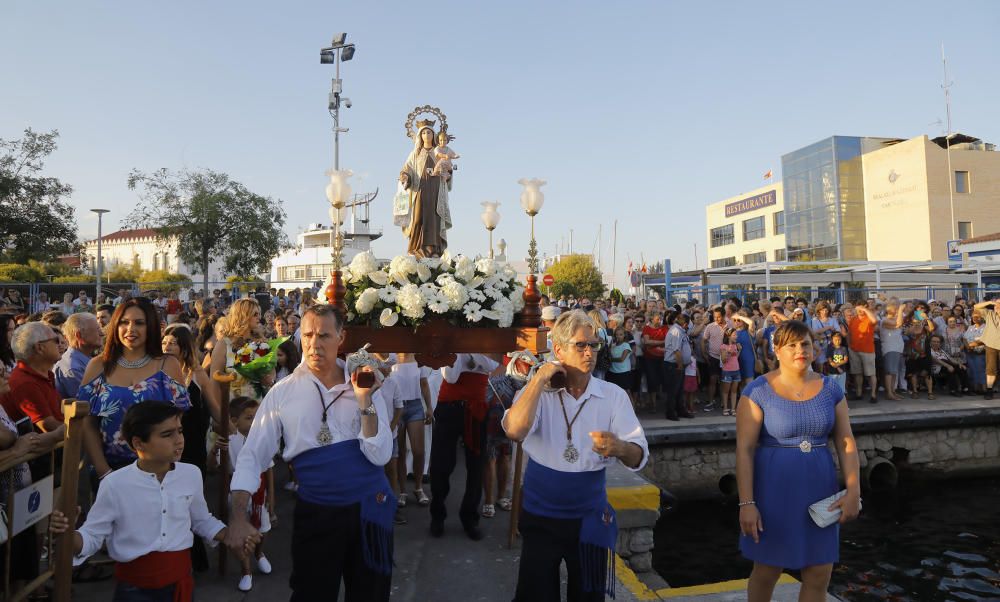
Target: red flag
[(768, 175), (629, 267), (644, 270)]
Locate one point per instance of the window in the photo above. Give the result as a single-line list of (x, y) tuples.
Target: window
[(725, 262), (753, 228), (962, 182), (964, 230), (779, 223), (723, 235), (755, 257), (779, 254), (156, 261)]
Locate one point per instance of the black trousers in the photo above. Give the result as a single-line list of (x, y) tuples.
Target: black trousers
[(546, 543), (449, 428), (673, 388), (326, 547)]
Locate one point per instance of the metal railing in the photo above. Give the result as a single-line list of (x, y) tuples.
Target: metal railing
[(64, 499)]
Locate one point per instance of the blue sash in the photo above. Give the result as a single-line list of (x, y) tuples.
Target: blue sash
[(340, 475), (582, 496)]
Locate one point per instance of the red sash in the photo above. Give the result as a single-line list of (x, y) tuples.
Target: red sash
[(470, 388), (157, 570), (257, 502)]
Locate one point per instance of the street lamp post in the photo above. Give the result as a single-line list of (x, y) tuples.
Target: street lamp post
[(490, 219), (100, 260), (338, 51), (532, 200)]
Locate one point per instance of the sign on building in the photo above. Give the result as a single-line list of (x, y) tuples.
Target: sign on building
[(758, 201)]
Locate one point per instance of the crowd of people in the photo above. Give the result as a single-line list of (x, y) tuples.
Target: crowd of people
[(674, 360), (155, 372)]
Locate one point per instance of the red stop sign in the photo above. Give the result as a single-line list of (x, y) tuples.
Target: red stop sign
[(548, 280)]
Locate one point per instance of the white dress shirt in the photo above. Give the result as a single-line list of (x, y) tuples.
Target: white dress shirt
[(608, 409), (468, 362), (137, 514), (293, 410)]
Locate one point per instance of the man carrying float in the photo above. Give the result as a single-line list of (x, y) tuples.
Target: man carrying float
[(571, 434)]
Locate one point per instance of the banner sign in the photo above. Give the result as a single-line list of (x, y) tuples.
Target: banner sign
[(32, 504), (752, 203)]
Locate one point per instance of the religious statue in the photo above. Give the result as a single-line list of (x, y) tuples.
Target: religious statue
[(421, 206)]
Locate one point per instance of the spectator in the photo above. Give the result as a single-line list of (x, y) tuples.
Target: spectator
[(711, 341), (6, 335), (67, 306), (946, 369), (918, 363), (991, 339), (32, 385), (676, 353), (861, 323), (41, 304), (84, 335), (893, 361), (975, 352), (823, 326), (653, 339), (172, 307), (82, 304), (104, 315)]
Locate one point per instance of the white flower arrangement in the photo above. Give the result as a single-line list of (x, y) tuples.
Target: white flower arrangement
[(406, 292)]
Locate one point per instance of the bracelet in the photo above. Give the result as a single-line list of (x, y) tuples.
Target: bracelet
[(750, 503)]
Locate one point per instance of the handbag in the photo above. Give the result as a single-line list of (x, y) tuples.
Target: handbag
[(822, 515)]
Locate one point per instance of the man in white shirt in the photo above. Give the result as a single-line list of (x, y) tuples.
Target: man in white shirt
[(460, 413), (337, 438), (570, 435)]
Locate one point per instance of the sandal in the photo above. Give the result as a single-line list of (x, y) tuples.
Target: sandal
[(505, 504), (931, 396), (422, 498), (401, 502), (488, 511)]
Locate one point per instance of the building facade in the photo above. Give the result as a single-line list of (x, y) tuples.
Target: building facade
[(854, 198), (748, 228), (145, 250)]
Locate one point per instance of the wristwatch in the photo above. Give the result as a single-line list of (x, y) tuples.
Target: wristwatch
[(370, 410)]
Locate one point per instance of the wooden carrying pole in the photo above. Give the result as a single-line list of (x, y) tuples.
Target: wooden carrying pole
[(74, 413), (222, 430), (515, 509)]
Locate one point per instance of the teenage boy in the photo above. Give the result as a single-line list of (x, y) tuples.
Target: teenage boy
[(147, 510)]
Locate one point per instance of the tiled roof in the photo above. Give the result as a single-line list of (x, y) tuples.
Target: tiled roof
[(130, 234), (983, 238)]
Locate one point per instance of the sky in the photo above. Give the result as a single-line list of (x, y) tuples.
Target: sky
[(635, 113)]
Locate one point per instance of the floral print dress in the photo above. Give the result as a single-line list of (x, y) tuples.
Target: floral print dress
[(110, 402)]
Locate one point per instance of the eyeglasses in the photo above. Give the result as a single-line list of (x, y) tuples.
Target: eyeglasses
[(43, 341), (581, 346)]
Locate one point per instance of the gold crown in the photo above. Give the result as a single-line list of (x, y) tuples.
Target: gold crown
[(425, 123)]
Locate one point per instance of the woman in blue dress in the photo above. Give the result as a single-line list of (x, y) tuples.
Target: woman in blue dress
[(783, 465), (131, 369)]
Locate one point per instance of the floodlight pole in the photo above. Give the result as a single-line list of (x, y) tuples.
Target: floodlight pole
[(336, 115), (100, 261), (947, 142)]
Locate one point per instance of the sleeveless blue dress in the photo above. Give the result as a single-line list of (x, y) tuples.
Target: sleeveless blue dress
[(787, 480)]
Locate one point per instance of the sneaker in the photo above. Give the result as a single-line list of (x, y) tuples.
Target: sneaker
[(488, 511), (401, 502), (709, 407), (422, 498), (246, 583), (505, 504), (264, 565)]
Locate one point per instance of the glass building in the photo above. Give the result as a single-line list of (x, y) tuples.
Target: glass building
[(825, 199)]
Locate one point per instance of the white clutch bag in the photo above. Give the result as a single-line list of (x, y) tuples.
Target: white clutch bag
[(822, 515)]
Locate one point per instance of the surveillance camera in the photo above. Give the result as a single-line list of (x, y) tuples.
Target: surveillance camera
[(347, 102)]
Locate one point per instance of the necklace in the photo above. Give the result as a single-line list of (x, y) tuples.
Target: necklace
[(570, 454), (133, 364), (325, 437)]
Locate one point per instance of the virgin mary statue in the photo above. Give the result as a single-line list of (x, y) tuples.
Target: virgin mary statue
[(429, 218)]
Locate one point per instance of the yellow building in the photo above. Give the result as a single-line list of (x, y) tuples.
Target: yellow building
[(748, 228), (908, 209)]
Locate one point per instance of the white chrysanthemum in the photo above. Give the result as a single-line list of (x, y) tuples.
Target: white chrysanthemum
[(379, 277), (473, 312), (362, 265), (486, 266), (444, 278), (475, 282), (475, 295), (411, 301), (351, 315), (429, 290), (388, 294), (431, 262), (508, 272), (366, 301), (445, 260), (388, 317), (517, 298), (423, 272), (455, 293), (465, 270), (402, 266), (493, 293)]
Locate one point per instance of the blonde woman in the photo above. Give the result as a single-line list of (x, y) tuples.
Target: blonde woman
[(601, 330), (241, 325), (307, 302)]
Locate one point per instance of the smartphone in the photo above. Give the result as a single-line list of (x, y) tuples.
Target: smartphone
[(920, 315), (366, 380), (24, 426)]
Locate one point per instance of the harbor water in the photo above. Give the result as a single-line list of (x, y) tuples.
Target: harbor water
[(926, 540)]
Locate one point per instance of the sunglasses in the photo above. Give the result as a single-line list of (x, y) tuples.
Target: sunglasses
[(581, 346)]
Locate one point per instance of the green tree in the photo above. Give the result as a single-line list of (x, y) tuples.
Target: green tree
[(576, 275), (163, 280), (16, 272), (212, 216), (122, 273), (71, 278), (243, 282), (37, 222)]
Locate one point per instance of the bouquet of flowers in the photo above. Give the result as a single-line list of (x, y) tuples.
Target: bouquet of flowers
[(462, 290), (256, 359)]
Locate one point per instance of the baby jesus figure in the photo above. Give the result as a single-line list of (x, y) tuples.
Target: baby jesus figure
[(443, 156)]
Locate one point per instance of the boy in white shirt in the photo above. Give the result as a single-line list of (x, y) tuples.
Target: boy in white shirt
[(147, 510)]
